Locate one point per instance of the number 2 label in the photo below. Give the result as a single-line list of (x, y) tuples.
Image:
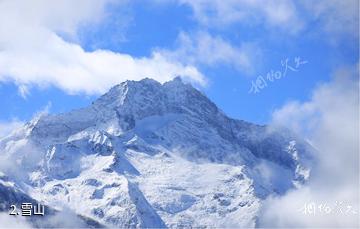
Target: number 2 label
[(13, 211)]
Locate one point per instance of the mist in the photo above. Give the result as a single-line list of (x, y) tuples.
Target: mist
[(330, 121)]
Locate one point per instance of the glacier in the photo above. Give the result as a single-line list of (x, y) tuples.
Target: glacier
[(147, 154)]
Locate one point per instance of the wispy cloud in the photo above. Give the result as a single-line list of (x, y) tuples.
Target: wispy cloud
[(23, 91), (201, 48), (337, 17), (280, 13), (13, 221), (330, 120), (6, 127)]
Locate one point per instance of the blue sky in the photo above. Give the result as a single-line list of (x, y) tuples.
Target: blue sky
[(63, 56)]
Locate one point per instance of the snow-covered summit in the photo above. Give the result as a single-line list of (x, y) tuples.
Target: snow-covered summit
[(194, 119), (152, 155)]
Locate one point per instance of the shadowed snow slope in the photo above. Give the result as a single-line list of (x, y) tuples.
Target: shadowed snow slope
[(147, 154)]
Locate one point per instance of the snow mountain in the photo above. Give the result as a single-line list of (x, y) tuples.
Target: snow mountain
[(147, 154), (11, 194)]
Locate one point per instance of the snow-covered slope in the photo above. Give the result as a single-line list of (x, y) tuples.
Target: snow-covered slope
[(12, 194), (147, 154)]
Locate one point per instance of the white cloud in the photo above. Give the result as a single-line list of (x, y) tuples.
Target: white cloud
[(337, 17), (7, 127), (64, 16), (279, 13), (203, 49), (72, 220), (8, 221), (331, 121), (31, 52), (23, 91)]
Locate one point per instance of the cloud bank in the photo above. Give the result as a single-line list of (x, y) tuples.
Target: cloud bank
[(33, 52), (330, 120)]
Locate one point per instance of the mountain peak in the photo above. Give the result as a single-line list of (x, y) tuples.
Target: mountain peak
[(131, 103), (150, 81), (141, 146), (148, 96), (144, 81), (177, 79), (123, 88)]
